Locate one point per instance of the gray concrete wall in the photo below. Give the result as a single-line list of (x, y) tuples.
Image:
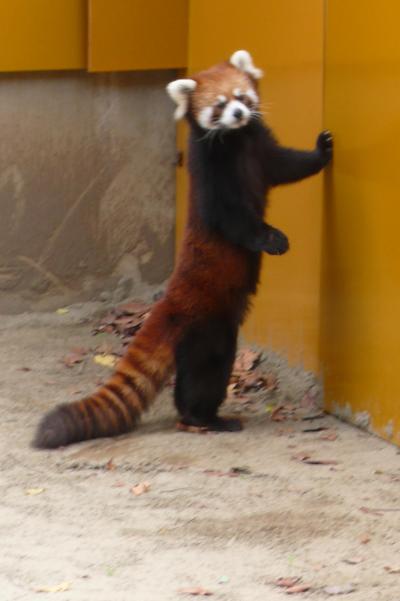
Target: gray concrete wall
[(87, 186)]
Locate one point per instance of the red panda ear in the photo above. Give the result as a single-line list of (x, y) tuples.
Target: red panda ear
[(179, 91), (241, 59)]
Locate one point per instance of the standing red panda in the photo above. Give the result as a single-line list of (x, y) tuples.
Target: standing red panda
[(233, 161)]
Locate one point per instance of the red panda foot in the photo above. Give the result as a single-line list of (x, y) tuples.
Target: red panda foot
[(218, 424)]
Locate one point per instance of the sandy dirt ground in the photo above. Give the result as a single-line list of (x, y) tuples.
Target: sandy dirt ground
[(230, 513)]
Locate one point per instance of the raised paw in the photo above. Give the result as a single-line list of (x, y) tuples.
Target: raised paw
[(325, 145), (277, 242)]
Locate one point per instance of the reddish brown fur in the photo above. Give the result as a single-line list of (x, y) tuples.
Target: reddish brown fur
[(210, 273), (219, 80)]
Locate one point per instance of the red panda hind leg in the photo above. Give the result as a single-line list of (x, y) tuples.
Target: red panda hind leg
[(204, 360)]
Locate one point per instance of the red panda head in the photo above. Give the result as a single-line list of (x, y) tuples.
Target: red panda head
[(223, 97)]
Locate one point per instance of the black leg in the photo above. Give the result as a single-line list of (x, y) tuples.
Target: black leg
[(204, 362), (286, 165)]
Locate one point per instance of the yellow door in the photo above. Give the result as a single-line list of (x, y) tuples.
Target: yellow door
[(285, 39), (361, 276)]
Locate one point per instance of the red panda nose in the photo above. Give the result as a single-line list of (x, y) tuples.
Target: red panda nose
[(238, 114)]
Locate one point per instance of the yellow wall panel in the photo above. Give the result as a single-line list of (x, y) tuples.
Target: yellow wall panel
[(285, 38), (42, 34), (137, 34), (361, 276)]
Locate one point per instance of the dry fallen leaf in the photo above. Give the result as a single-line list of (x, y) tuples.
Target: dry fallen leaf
[(353, 560), (105, 360), (141, 488), (320, 461), (313, 416), (271, 382), (124, 320), (59, 588), (245, 360), (131, 308), (314, 429), (332, 436), (253, 381), (127, 324), (308, 401), (298, 588), (110, 465), (371, 511), (301, 456), (197, 591), (32, 492), (365, 539), (62, 311), (391, 570), (277, 415), (287, 582), (306, 457), (245, 471), (220, 473)]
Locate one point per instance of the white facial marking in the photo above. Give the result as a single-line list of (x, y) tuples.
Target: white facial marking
[(241, 59), (205, 118), (237, 92), (179, 91), (221, 98), (235, 115)]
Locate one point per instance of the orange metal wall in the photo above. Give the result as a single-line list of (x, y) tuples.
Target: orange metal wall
[(96, 34), (42, 34), (361, 280), (286, 40), (137, 34)]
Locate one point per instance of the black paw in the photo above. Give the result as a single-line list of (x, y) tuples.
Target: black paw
[(276, 243), (325, 146), (216, 424)]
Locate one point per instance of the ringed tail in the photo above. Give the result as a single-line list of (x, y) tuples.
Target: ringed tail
[(116, 407)]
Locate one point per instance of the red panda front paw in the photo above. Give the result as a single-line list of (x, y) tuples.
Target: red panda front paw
[(276, 242), (325, 146)]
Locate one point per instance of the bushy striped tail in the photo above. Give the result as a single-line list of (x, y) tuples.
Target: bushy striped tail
[(116, 407)]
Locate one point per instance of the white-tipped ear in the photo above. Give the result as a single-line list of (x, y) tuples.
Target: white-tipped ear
[(179, 91), (241, 59)]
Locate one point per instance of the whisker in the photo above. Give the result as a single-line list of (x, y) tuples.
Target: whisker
[(207, 135), (257, 115)]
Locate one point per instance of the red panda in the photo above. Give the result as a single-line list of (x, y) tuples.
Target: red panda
[(233, 160)]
